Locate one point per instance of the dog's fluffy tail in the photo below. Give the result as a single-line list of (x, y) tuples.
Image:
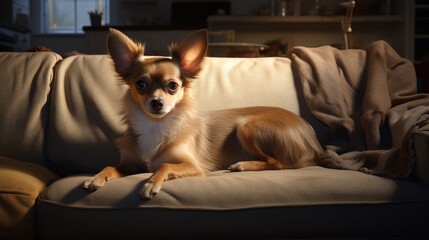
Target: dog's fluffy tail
[(350, 161)]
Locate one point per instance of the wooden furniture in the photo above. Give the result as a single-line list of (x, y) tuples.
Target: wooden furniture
[(14, 38), (392, 23)]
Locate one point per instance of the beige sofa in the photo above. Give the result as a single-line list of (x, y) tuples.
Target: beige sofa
[(59, 118)]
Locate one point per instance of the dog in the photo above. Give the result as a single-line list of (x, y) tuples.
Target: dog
[(170, 138)]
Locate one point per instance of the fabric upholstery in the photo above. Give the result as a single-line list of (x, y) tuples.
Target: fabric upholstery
[(85, 116), (20, 184), (241, 195), (297, 187), (383, 221), (368, 100), (25, 84), (421, 145), (68, 117), (244, 82)]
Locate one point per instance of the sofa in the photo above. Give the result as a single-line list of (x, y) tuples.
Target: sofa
[(59, 121)]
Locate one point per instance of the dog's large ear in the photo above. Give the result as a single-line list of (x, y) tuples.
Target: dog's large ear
[(123, 51), (190, 53)]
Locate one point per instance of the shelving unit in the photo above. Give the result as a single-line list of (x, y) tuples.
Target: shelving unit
[(14, 36), (312, 31), (260, 22), (301, 19)]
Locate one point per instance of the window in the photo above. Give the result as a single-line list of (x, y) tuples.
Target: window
[(69, 16)]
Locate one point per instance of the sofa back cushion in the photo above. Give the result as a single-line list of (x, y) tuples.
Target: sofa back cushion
[(25, 84), (86, 118), (242, 82), (85, 115)]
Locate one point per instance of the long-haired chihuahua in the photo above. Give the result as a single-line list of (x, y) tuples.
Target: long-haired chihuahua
[(169, 137)]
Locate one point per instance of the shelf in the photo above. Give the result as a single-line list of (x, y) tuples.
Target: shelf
[(279, 23), (303, 19), (137, 2)]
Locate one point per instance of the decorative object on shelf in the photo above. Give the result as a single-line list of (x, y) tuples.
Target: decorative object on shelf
[(386, 7), (95, 17), (237, 49), (276, 47), (346, 22), (310, 8), (281, 8)]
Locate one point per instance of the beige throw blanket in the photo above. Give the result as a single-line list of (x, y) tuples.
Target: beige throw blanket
[(368, 101)]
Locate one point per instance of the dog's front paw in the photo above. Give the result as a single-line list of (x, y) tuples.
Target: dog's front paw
[(149, 190), (153, 185), (238, 167), (94, 183)]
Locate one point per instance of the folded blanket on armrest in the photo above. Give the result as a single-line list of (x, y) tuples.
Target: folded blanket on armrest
[(368, 100)]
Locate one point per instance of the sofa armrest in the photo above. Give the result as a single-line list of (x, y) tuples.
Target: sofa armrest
[(20, 185)]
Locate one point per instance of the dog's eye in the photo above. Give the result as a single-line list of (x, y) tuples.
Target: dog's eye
[(141, 85), (172, 86)]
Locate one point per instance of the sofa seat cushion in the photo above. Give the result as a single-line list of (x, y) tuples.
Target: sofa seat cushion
[(247, 204), (20, 184)]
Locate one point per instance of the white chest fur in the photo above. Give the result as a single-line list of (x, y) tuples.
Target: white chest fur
[(152, 135)]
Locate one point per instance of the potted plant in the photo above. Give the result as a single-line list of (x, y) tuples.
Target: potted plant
[(95, 17)]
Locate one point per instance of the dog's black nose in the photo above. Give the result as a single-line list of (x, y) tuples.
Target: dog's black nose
[(157, 104)]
